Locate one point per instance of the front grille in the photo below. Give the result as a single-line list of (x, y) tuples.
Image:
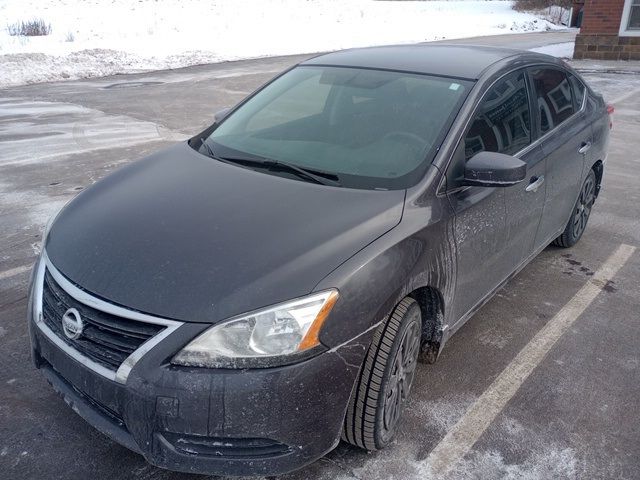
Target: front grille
[(106, 339), (227, 447)]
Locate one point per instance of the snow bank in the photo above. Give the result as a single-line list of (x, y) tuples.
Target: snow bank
[(562, 50), (101, 37)]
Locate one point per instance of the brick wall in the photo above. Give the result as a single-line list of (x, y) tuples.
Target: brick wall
[(598, 37), (607, 47), (601, 17)]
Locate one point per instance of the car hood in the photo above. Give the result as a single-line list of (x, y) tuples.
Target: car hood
[(183, 236)]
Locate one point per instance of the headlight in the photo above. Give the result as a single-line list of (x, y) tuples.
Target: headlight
[(267, 337)]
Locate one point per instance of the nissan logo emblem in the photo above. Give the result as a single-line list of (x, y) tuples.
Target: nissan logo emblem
[(72, 324)]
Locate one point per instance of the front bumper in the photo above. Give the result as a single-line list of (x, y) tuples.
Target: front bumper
[(221, 422)]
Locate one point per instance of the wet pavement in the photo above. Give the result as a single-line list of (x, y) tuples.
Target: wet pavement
[(573, 416)]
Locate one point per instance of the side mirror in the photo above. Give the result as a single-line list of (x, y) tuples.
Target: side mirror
[(220, 114), (491, 169)]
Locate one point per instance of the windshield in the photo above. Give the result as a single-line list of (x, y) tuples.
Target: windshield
[(369, 128)]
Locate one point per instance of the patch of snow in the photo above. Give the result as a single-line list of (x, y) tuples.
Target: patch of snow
[(494, 337), (101, 37), (561, 50), (548, 462), (442, 413), (403, 461), (39, 208)]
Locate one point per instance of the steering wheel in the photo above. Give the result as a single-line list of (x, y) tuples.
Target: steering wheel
[(412, 137)]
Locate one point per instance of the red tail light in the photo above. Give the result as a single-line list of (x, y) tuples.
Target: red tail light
[(610, 111)]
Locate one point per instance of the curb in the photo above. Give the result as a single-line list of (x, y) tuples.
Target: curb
[(607, 70)]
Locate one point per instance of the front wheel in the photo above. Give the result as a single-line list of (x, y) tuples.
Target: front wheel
[(580, 216), (385, 380)]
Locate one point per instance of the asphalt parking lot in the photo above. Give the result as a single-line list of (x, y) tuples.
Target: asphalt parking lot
[(543, 382)]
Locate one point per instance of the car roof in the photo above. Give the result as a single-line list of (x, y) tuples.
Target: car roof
[(460, 61)]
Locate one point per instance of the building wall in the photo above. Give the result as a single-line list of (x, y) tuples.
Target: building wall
[(599, 34), (602, 17)]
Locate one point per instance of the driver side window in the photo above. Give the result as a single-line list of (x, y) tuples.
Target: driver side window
[(502, 122)]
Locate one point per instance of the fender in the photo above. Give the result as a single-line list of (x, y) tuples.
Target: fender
[(418, 254)]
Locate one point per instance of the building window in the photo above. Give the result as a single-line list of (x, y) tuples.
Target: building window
[(630, 24), (634, 16)]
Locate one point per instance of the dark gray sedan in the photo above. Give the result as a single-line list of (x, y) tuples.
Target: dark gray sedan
[(238, 303)]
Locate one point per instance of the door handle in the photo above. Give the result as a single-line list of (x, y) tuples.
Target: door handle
[(584, 148), (535, 184)]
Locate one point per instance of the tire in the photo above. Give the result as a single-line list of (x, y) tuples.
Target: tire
[(380, 392), (580, 216)]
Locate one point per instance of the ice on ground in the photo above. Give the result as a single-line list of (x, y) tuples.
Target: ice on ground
[(37, 207), (562, 50), (38, 131), (121, 36), (546, 463)]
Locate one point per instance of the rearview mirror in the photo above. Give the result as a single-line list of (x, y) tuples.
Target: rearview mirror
[(220, 114), (492, 169)]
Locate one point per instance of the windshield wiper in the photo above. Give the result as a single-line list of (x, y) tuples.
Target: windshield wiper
[(313, 175), (207, 147), (323, 178)]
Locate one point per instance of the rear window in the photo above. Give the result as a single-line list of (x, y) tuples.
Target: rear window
[(579, 90)]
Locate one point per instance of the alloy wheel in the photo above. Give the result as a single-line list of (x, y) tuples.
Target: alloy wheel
[(404, 367), (583, 207)]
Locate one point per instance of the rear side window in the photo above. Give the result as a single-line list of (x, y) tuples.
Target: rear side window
[(555, 101), (579, 90), (502, 122)]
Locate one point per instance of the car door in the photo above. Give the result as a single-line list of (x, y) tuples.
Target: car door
[(565, 141), (495, 227)]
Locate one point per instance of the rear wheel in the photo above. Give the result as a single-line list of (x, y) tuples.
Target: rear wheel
[(385, 380), (580, 216)]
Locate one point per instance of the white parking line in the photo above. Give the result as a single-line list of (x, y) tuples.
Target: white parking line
[(464, 434), (14, 271)]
